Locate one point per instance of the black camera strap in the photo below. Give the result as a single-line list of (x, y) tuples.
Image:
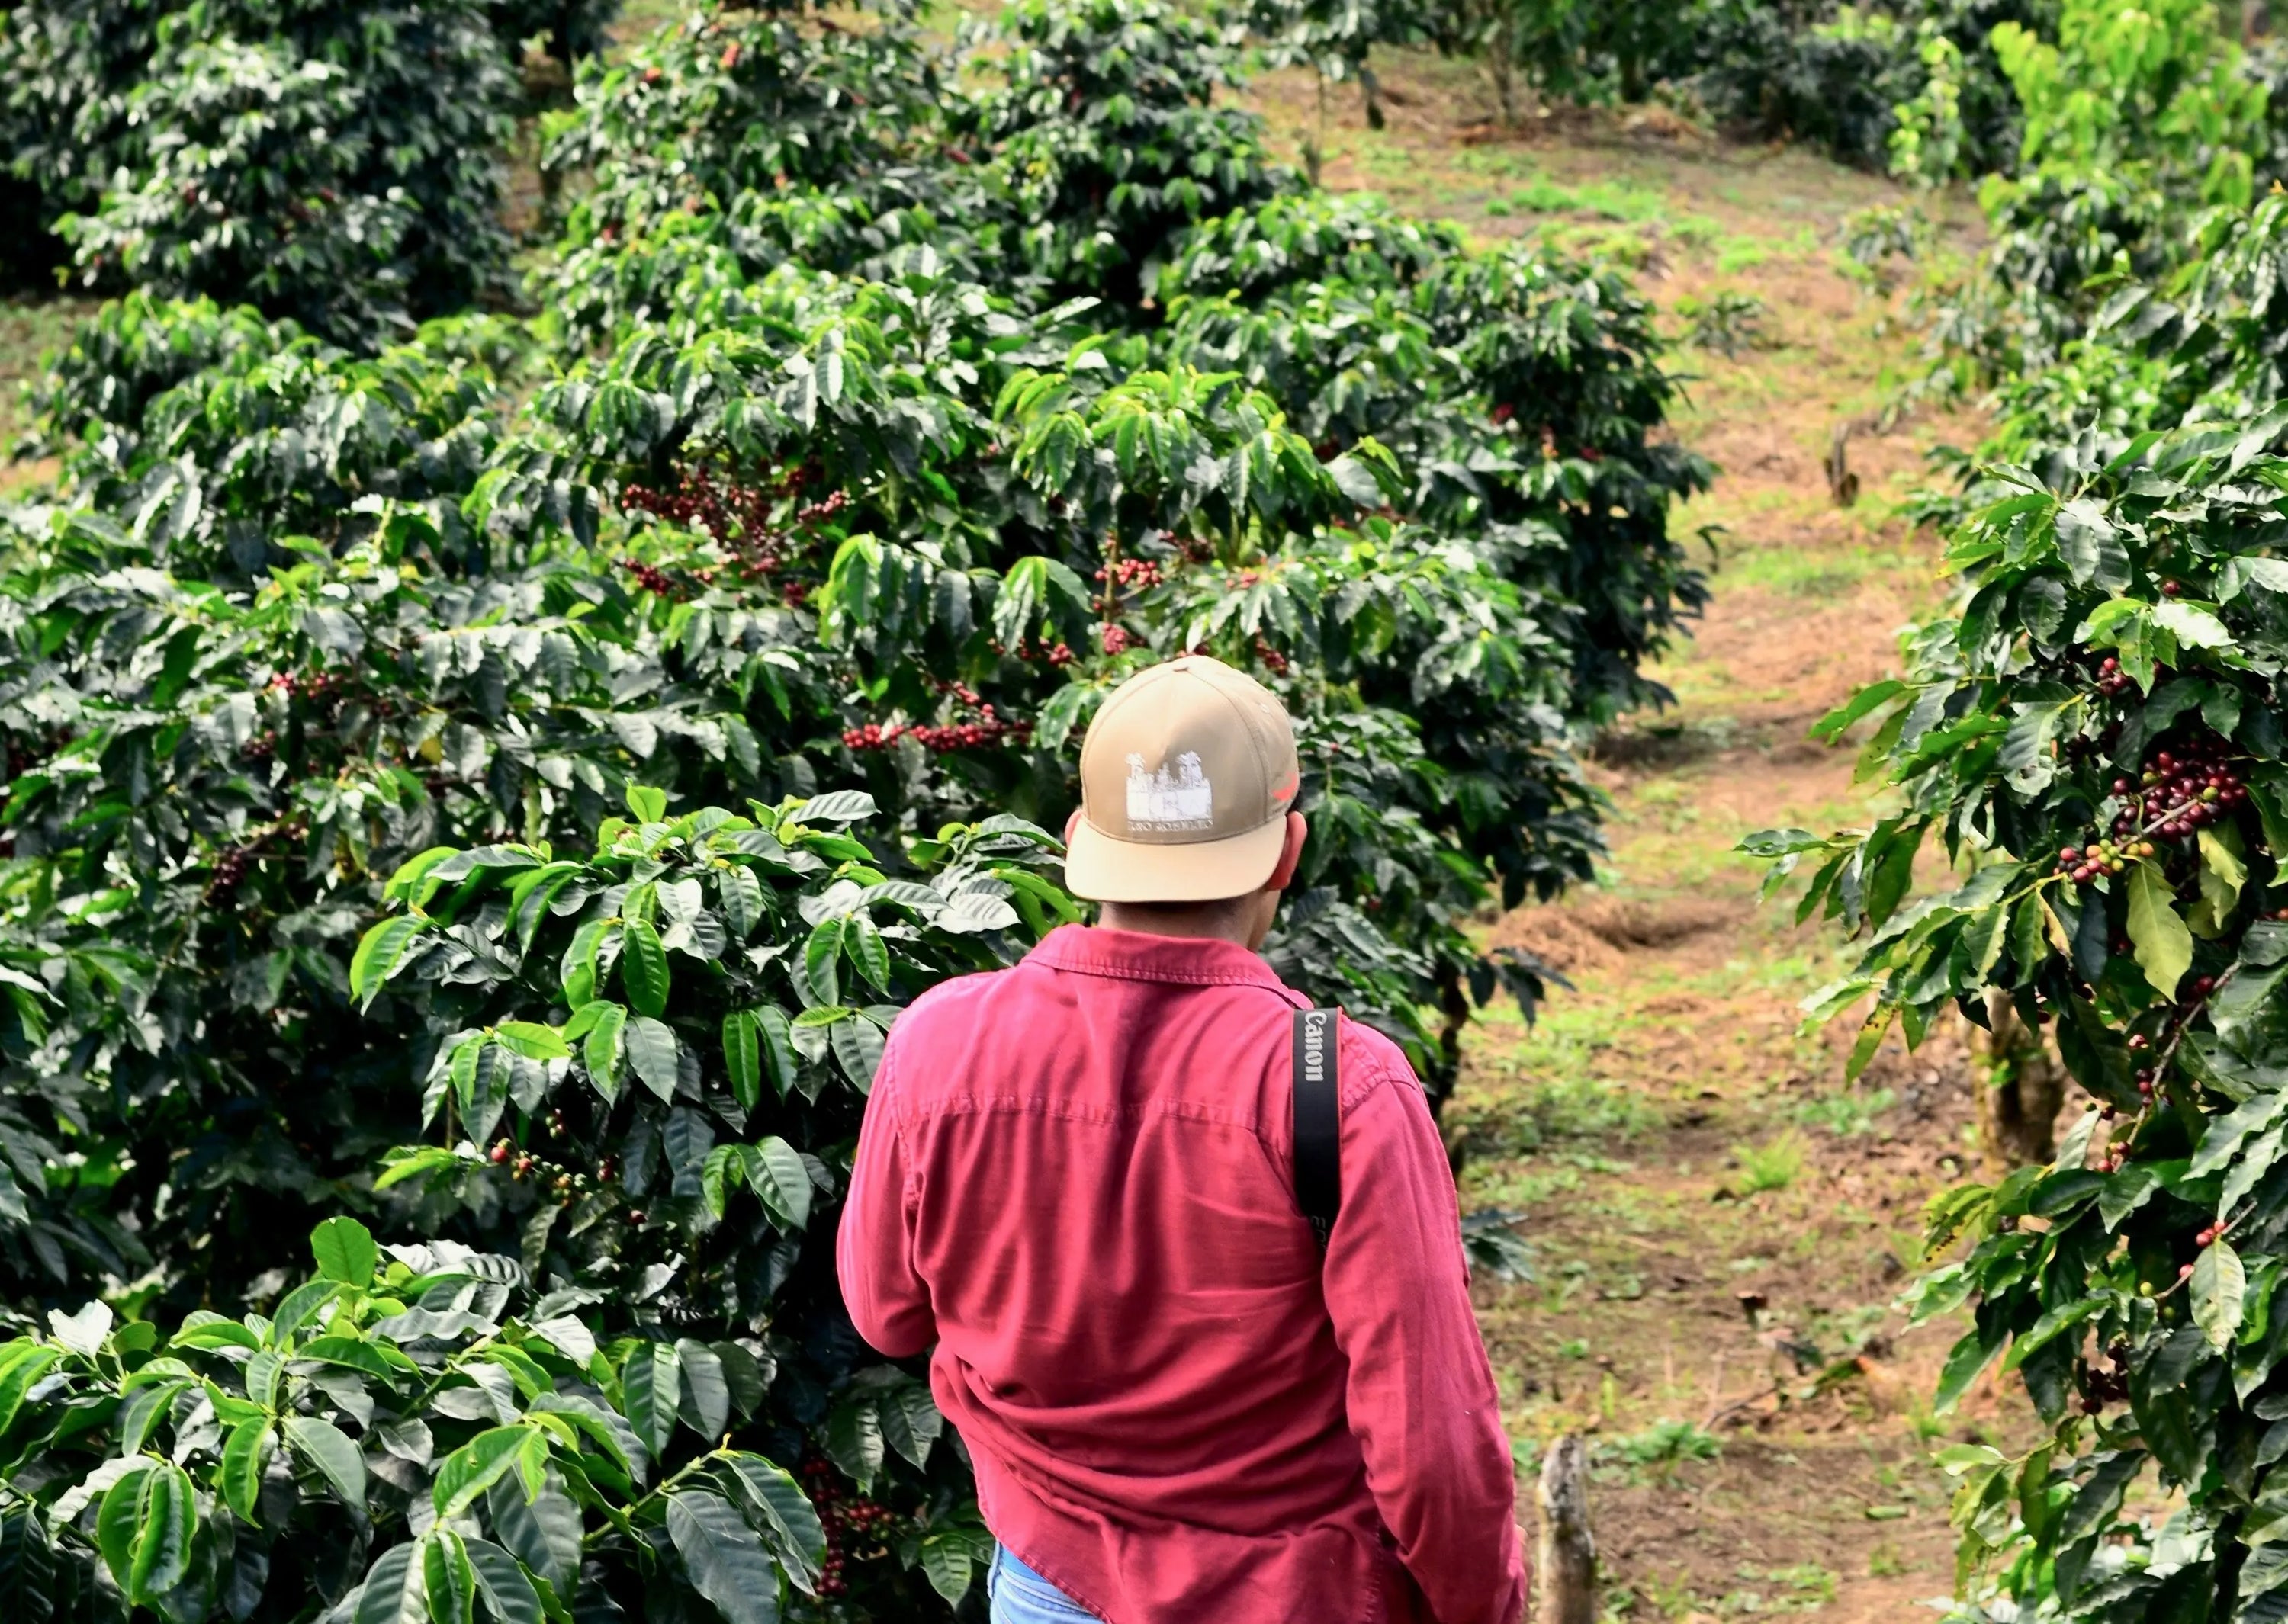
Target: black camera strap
[(1318, 1120)]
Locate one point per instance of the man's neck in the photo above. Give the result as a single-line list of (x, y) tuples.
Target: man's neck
[(1221, 923)]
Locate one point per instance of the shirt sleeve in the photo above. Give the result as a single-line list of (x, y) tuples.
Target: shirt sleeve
[(874, 1250), (1422, 1400)]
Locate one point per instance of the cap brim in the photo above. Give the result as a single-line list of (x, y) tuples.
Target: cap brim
[(1108, 870)]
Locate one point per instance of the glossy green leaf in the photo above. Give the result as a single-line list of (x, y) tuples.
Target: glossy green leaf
[(344, 1251), (654, 1055), (742, 1057), (244, 1453), (2220, 1286), (329, 1452), (643, 969), (2164, 945), (724, 1556)]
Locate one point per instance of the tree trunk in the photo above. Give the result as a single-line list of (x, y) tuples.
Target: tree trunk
[(1566, 1566), (1504, 69), (2020, 1086), (1371, 92)]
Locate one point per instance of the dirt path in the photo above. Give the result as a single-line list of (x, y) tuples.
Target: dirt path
[(1720, 1226)]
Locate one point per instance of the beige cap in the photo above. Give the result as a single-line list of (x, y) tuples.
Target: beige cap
[(1186, 779)]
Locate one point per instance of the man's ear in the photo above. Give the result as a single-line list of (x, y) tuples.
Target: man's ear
[(1291, 855), (1072, 826)]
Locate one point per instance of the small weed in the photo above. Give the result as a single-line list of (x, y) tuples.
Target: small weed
[(1749, 1265), (1576, 1349), (1727, 324), (1490, 1240), (1846, 1116), (1884, 1562), (1769, 1166), (1665, 1443)]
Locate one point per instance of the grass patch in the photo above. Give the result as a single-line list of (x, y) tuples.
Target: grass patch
[(1769, 1166)]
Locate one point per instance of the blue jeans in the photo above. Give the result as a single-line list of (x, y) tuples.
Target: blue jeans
[(1023, 1597)]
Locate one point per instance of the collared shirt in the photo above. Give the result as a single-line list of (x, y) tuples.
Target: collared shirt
[(1076, 1178)]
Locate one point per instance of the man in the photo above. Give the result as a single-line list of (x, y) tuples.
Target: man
[(1076, 1177)]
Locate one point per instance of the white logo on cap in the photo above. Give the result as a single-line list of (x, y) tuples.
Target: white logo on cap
[(1171, 798)]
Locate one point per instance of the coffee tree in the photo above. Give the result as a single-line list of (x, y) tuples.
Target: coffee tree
[(334, 164), (648, 1073), (2092, 744), (413, 1433)]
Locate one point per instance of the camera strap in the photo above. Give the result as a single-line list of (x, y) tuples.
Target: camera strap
[(1318, 1120)]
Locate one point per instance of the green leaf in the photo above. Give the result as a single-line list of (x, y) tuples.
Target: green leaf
[(779, 1057), (344, 1251), (379, 954), (947, 1564), (476, 1466), (2223, 874), (2164, 946), (507, 1590), (577, 970), (705, 1403), (777, 1502), (243, 1455), (600, 1049), (532, 1040), (715, 1176), (742, 1057), (654, 1053), (1969, 1357), (167, 1517), (651, 1383), (819, 954), (643, 968), (724, 1556), (2220, 1290), (646, 804), (862, 942), (775, 1173), (328, 1450), (450, 1578), (544, 1533), (119, 1516), (836, 806), (396, 1589)]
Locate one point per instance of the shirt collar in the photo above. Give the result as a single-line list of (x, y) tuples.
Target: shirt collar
[(1138, 955)]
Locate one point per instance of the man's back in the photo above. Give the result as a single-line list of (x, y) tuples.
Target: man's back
[(1076, 1176)]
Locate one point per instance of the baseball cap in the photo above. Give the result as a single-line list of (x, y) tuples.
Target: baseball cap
[(1186, 779)]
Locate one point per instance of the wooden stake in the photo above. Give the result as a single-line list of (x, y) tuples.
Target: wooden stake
[(1567, 1567)]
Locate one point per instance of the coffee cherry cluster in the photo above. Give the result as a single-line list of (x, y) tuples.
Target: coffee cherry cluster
[(2100, 1388), (229, 873), (1033, 654), (307, 685), (2179, 793), (1117, 640), (649, 576), (262, 746), (2184, 792), (2111, 679), (1136, 575), (857, 1529), (1273, 660), (737, 515), (940, 739), (562, 1182)]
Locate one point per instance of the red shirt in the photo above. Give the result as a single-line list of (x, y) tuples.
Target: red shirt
[(1074, 1178)]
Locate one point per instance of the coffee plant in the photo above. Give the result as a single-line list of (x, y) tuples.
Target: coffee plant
[(2090, 741), (364, 684), (337, 165), (416, 1432)]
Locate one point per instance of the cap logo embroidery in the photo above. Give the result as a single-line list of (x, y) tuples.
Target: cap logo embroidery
[(1173, 798)]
